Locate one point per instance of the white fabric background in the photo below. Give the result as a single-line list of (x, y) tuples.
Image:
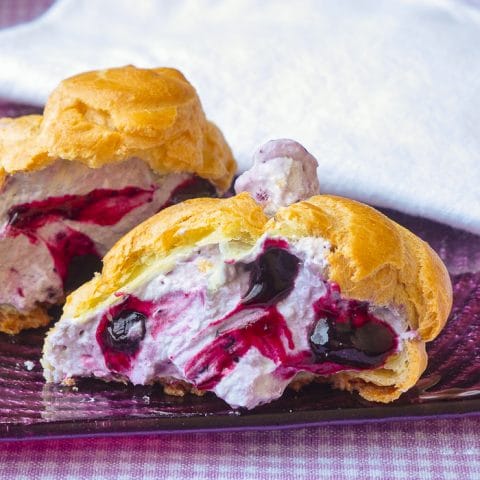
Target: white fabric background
[(385, 93)]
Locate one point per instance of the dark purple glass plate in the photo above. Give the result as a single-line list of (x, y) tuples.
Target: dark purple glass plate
[(450, 386)]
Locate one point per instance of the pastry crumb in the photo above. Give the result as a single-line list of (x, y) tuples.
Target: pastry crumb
[(69, 382), (29, 365)]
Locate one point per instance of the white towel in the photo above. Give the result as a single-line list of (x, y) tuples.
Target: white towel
[(385, 93)]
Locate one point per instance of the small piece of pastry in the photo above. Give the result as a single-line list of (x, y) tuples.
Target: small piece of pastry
[(212, 295), (112, 148)]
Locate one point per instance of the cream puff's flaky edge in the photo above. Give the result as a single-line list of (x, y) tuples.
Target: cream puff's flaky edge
[(371, 258), (115, 114)]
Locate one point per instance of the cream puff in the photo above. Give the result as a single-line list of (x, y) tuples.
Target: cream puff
[(212, 295), (112, 149)]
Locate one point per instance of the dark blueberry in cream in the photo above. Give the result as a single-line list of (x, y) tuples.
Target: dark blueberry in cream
[(81, 268), (272, 277), (121, 330), (194, 187), (348, 334), (125, 331)]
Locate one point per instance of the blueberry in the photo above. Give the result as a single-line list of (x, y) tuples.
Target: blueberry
[(272, 277), (81, 268), (192, 188), (352, 335), (125, 331)]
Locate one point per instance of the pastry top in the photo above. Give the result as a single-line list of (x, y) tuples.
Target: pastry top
[(115, 114), (371, 257)]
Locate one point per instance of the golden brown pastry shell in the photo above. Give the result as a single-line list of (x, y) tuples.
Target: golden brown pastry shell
[(109, 116), (115, 114)]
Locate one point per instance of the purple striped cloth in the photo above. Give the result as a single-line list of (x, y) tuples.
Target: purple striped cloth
[(421, 449)]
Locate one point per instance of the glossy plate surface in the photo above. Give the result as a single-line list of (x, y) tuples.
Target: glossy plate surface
[(450, 386)]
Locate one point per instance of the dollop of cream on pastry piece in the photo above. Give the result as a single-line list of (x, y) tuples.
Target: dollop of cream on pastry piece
[(283, 172), (112, 148), (210, 295)]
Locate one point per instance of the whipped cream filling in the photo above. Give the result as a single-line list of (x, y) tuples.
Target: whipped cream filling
[(206, 323), (35, 258)]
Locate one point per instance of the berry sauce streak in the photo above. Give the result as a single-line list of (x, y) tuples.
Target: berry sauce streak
[(269, 335), (103, 207)]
